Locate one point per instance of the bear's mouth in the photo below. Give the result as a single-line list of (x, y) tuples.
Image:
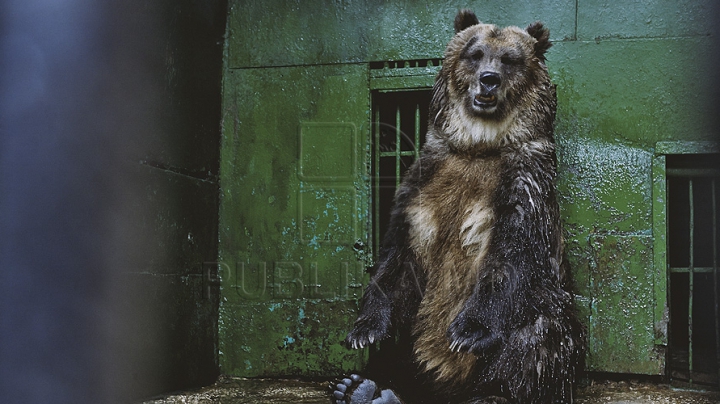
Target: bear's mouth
[(485, 101)]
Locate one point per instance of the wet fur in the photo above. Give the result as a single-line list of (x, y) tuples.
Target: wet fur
[(472, 261)]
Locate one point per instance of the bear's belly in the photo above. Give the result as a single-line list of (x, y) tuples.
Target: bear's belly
[(451, 223)]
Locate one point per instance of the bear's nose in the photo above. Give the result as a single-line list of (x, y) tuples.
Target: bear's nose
[(490, 81)]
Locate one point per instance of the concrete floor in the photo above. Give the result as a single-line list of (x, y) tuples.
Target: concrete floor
[(253, 391)]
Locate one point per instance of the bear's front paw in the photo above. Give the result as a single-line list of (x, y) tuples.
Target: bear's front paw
[(468, 334), (368, 329)]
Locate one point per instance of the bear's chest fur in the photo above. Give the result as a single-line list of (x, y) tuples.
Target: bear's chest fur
[(452, 213), (450, 225)]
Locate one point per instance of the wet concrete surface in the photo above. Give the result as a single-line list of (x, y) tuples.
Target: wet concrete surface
[(229, 390)]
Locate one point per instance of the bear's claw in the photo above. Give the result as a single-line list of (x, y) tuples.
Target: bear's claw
[(366, 332), (466, 335)]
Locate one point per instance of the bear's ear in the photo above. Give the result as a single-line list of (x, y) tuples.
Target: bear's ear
[(465, 18), (542, 35)]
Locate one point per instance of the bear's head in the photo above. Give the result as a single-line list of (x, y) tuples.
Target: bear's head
[(489, 76)]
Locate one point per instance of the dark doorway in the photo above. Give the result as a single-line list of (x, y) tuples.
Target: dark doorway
[(693, 246)]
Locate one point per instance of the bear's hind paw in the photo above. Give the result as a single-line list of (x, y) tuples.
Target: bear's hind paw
[(356, 390)]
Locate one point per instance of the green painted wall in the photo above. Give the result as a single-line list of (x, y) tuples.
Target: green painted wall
[(294, 217), (293, 214)]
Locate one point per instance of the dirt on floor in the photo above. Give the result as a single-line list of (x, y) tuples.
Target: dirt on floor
[(632, 392), (229, 390)]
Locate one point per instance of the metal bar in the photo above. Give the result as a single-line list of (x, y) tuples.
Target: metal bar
[(376, 191), (399, 153), (696, 270), (417, 130), (691, 282), (397, 146), (693, 172), (715, 279)]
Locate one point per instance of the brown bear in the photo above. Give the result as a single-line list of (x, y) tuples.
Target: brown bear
[(472, 264)]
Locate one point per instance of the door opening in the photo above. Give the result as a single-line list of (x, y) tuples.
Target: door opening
[(693, 284), (399, 123), (399, 126)]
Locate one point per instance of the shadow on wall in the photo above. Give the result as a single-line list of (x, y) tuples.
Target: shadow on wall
[(109, 144)]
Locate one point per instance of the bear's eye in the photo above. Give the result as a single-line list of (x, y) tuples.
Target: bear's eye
[(510, 60), (477, 54)]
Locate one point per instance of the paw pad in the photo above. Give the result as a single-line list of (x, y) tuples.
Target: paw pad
[(353, 390)]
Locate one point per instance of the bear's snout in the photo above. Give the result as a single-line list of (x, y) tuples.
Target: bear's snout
[(490, 81), (487, 98)]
